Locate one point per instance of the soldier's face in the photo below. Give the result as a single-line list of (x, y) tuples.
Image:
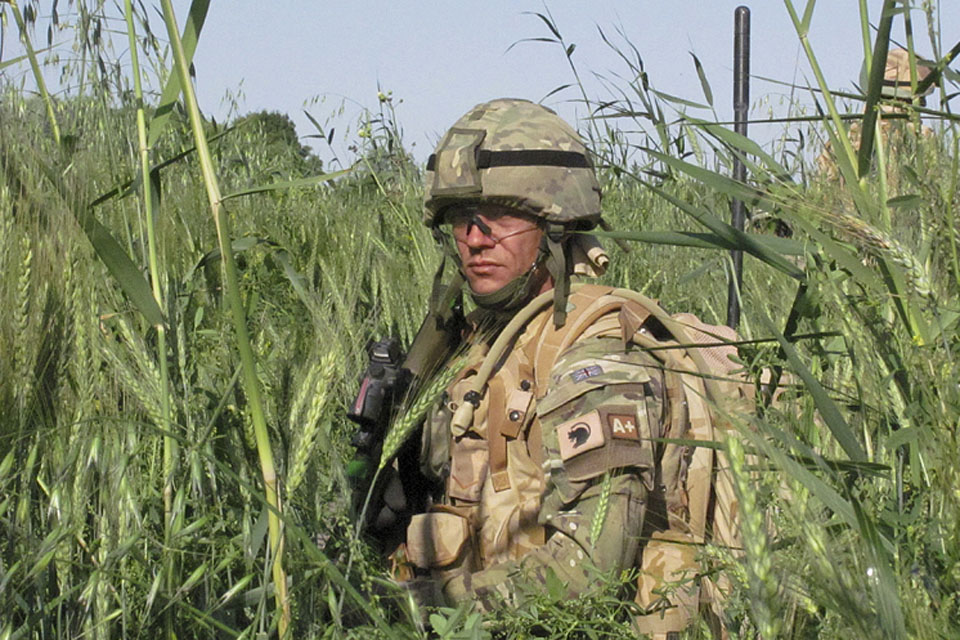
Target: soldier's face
[(496, 244)]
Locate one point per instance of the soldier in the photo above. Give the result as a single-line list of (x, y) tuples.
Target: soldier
[(547, 446), (895, 133)]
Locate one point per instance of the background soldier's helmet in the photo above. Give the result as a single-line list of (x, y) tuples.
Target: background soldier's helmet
[(896, 76), (517, 154)]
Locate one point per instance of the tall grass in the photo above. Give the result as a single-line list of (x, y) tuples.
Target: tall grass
[(132, 451)]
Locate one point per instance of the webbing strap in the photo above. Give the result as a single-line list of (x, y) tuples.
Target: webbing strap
[(557, 266), (543, 352), (688, 402), (496, 439), (700, 473)]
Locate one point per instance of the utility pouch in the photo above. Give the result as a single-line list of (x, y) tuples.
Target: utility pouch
[(469, 463), (443, 543), (668, 588)]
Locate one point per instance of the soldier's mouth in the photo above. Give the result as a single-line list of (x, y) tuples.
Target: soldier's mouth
[(482, 268)]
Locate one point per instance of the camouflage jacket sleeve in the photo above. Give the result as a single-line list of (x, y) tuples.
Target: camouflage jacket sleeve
[(602, 407)]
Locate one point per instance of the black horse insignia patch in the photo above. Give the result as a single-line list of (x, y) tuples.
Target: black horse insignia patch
[(583, 433), (579, 434)]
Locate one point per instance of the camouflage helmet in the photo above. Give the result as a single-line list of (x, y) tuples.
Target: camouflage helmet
[(897, 76), (517, 154)]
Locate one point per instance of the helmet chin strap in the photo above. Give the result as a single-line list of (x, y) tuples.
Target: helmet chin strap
[(557, 266), (516, 293)]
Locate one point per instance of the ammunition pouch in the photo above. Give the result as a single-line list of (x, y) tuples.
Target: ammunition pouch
[(443, 544)]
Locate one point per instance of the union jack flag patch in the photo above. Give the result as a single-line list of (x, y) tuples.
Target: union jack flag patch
[(587, 372)]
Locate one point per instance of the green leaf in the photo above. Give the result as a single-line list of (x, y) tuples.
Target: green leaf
[(880, 576), (877, 69), (193, 579), (280, 255), (438, 623), (556, 90), (313, 121), (546, 21), (555, 586), (944, 321), (6, 464), (119, 264), (829, 496), (676, 100), (727, 232), (237, 587), (704, 83), (808, 14), (171, 91), (911, 316), (825, 404), (740, 143), (901, 437), (258, 533), (785, 246), (905, 203), (287, 184), (124, 189), (297, 281), (716, 181), (12, 61)]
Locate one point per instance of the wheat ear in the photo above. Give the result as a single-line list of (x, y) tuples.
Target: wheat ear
[(762, 584), (603, 506), (318, 386), (406, 422)]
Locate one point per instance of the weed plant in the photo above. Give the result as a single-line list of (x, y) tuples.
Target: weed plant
[(132, 498)]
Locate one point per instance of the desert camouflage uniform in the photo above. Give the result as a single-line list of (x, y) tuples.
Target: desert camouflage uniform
[(524, 482)]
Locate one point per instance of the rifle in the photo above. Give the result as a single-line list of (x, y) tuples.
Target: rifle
[(401, 490)]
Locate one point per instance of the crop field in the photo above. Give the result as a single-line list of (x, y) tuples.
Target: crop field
[(186, 304)]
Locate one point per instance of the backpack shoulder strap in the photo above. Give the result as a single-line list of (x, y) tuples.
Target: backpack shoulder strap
[(586, 304)]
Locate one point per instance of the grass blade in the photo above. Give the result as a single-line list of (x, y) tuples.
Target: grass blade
[(287, 184), (171, 91), (878, 67), (825, 405), (704, 83)]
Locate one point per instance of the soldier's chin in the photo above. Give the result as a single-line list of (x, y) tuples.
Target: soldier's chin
[(483, 285)]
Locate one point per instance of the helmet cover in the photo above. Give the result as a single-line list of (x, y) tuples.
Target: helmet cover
[(517, 154)]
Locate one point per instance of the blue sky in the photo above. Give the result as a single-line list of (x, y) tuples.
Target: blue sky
[(440, 57)]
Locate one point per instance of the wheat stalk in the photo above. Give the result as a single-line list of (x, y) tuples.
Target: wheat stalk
[(603, 506), (317, 386), (761, 582), (141, 377), (24, 380), (6, 224), (881, 246)]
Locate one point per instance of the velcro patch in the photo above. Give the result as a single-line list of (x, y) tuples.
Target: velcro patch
[(622, 423), (581, 434), (586, 372)]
